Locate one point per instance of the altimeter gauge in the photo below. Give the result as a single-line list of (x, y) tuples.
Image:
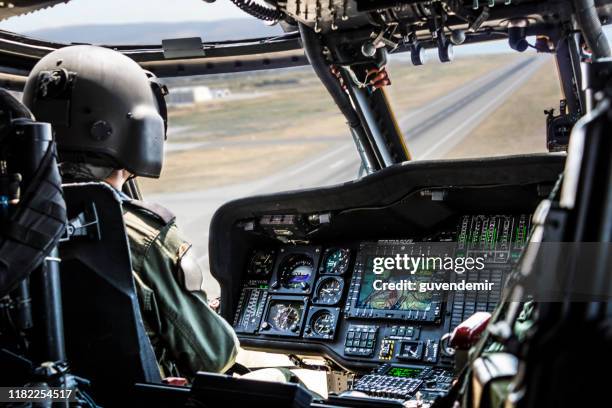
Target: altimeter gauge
[(328, 291), (321, 322), (324, 323)]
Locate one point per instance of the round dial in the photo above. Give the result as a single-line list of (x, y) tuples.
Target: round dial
[(336, 261), (329, 291), (295, 271), (323, 323), (284, 317), (261, 263)]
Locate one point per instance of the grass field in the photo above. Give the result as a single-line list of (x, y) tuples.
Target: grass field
[(284, 106)]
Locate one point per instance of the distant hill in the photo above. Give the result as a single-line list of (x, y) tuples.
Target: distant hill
[(153, 33)]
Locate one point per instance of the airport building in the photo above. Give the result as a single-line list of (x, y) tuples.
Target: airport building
[(185, 96)]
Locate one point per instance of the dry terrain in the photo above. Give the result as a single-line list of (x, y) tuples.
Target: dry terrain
[(519, 125)]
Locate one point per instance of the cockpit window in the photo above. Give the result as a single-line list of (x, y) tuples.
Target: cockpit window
[(138, 22), (485, 103), (244, 134)]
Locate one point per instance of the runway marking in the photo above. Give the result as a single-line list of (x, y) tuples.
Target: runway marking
[(465, 88), (319, 159), (336, 164), (475, 115)]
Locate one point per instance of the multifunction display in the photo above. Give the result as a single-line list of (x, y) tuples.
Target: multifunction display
[(370, 298)]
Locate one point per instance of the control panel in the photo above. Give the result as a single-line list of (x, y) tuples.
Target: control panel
[(328, 294), (329, 298), (253, 299), (373, 276), (402, 382)]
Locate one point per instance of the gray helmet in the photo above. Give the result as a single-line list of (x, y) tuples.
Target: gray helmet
[(105, 109)]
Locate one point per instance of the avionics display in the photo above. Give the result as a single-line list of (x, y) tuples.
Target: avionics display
[(370, 298), (367, 300), (404, 372)]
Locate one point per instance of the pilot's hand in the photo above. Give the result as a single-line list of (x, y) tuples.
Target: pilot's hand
[(214, 304)]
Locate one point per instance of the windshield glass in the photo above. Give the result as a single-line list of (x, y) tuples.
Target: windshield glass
[(243, 134), (139, 22), (488, 102)]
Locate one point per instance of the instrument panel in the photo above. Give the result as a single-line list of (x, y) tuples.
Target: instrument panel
[(297, 298)]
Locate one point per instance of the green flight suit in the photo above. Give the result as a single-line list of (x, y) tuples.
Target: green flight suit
[(187, 335)]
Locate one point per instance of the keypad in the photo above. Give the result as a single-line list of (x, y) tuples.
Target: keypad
[(360, 340), (388, 386), (402, 331)]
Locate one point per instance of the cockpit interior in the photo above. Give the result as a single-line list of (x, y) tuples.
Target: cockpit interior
[(315, 274)]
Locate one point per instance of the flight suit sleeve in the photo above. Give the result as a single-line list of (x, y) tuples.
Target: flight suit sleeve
[(197, 337)]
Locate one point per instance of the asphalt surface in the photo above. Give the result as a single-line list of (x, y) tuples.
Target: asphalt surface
[(431, 131)]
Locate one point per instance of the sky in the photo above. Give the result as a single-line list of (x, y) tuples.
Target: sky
[(78, 12)]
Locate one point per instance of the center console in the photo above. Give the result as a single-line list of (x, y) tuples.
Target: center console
[(308, 276)]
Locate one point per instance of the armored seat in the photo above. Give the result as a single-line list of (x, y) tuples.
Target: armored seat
[(106, 341)]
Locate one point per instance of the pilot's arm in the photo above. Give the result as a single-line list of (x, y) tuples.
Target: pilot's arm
[(187, 335)]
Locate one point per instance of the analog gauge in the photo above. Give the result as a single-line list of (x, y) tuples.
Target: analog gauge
[(336, 261), (295, 271), (323, 323), (285, 317), (329, 291), (261, 263)]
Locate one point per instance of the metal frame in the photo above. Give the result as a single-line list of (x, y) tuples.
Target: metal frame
[(18, 53)]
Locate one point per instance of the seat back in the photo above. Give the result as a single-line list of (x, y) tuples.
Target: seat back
[(106, 341)]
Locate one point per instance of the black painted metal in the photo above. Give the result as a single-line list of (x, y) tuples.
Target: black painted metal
[(569, 76), (49, 310)]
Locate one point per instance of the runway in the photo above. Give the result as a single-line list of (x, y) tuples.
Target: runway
[(431, 131)]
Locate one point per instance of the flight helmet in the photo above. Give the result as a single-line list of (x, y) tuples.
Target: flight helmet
[(104, 108)]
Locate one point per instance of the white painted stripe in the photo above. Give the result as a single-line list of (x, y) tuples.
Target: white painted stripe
[(472, 120), (319, 159), (336, 164), (437, 103)]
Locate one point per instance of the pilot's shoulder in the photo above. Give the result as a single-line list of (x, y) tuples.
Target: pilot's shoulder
[(147, 219)]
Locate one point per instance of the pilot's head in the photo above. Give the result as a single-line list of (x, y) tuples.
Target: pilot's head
[(108, 114)]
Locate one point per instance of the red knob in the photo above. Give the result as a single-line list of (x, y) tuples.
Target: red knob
[(468, 332), (180, 381)]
